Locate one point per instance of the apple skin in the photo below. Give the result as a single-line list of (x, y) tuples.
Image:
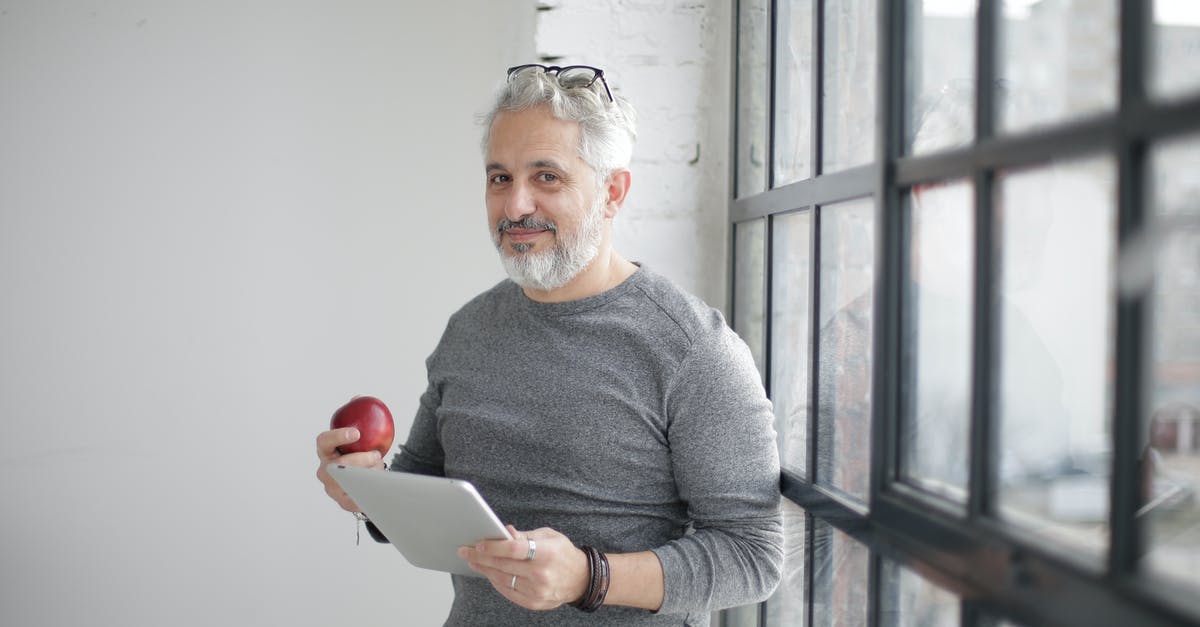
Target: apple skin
[(374, 423)]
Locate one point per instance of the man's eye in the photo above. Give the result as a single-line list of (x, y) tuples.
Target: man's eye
[(498, 179), (548, 177)]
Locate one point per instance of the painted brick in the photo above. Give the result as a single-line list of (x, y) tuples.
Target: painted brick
[(671, 60)]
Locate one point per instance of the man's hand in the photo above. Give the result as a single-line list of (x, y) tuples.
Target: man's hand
[(558, 573), (327, 452)]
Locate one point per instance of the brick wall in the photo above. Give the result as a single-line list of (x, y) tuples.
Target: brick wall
[(670, 58)]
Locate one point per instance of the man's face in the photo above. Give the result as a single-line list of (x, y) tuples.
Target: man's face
[(545, 209)]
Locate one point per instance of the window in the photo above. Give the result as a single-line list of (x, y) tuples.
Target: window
[(967, 260)]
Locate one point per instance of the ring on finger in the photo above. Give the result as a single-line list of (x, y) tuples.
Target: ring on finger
[(532, 550), (513, 583)]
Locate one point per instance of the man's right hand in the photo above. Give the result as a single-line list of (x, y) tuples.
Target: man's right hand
[(327, 443)]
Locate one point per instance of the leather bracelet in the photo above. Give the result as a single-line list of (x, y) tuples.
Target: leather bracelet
[(598, 581), (582, 603), (604, 579)]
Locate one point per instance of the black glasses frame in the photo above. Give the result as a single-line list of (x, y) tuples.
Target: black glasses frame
[(598, 74)]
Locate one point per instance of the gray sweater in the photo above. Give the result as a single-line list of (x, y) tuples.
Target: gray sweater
[(631, 420)]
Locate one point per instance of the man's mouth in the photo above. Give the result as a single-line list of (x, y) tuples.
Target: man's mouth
[(525, 231), (520, 235)]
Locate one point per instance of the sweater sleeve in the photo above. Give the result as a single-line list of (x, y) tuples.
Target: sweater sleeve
[(422, 452), (726, 466)]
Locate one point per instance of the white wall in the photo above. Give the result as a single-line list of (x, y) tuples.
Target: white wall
[(220, 220)]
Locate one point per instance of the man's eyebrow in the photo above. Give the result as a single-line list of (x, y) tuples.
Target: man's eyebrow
[(545, 163), (533, 165)]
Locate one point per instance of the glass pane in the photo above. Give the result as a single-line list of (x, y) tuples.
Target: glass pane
[(992, 621), (793, 91), (937, 339), (909, 600), (1176, 60), (840, 575), (1056, 225), (1171, 462), (790, 324), (941, 74), (848, 123), (1058, 60), (847, 273), (744, 616), (787, 607), (753, 57), (748, 286)]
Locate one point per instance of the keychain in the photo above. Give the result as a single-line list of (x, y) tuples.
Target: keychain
[(359, 517)]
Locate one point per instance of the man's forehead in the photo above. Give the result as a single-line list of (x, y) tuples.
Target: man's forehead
[(533, 138), (532, 127), (535, 164)]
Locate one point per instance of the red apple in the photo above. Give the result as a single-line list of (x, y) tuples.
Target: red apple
[(374, 423)]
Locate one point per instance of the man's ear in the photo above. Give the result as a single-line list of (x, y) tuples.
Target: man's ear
[(617, 188)]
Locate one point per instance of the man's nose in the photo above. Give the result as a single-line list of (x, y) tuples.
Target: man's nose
[(520, 202)]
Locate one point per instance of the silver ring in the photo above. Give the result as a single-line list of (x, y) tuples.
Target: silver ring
[(513, 584), (532, 550)]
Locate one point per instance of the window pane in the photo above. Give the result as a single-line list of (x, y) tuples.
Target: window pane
[(753, 56), (909, 600), (844, 375), (1176, 61), (790, 323), (1171, 463), (848, 123), (840, 574), (793, 91), (744, 616), (1058, 59), (787, 607), (941, 74), (748, 282), (992, 621), (937, 339), (1056, 225)]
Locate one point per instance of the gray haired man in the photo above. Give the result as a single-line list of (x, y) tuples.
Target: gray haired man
[(613, 420)]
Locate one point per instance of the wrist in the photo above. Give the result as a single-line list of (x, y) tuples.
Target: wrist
[(579, 589), (597, 581)]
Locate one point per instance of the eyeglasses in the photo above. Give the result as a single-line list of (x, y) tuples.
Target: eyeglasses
[(569, 77)]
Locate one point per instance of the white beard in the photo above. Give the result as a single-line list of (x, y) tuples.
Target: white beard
[(555, 267)]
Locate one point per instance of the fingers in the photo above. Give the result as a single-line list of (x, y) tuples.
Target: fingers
[(524, 594), (328, 441), (366, 459), (557, 574), (343, 500), (515, 549)]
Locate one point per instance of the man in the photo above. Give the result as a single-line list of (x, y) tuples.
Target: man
[(592, 402)]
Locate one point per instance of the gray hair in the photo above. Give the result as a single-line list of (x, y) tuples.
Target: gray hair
[(607, 130)]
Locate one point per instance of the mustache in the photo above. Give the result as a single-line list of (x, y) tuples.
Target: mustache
[(526, 223)]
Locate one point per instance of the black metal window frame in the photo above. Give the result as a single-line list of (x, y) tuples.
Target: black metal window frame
[(993, 569)]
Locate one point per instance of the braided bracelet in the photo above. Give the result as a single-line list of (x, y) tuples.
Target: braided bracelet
[(598, 580)]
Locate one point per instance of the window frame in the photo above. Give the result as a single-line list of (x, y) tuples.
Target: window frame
[(974, 555)]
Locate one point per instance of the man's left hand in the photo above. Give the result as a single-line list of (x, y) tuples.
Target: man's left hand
[(558, 573)]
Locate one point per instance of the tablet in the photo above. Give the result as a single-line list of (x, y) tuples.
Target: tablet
[(426, 518)]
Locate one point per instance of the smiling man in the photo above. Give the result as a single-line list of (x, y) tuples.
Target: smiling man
[(537, 181), (613, 420)]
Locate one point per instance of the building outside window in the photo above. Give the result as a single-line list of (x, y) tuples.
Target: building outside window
[(966, 257)]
